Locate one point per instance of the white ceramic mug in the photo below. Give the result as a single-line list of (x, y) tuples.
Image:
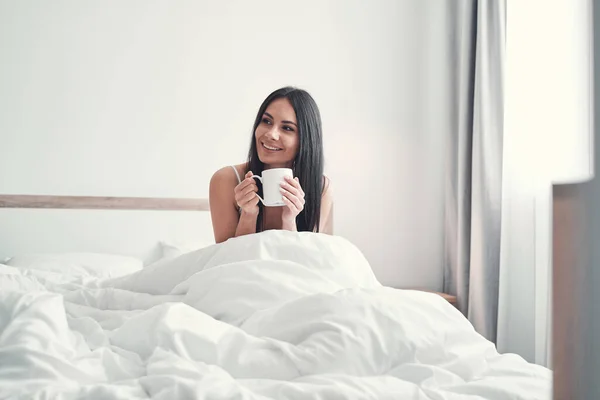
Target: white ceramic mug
[(271, 182)]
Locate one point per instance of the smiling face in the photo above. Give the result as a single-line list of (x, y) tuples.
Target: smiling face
[(276, 135)]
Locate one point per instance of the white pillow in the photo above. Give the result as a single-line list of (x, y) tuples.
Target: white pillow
[(174, 249), (90, 264)]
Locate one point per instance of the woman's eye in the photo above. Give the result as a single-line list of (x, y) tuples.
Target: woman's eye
[(266, 121), (288, 128)]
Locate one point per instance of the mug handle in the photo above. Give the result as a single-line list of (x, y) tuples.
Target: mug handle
[(261, 181)]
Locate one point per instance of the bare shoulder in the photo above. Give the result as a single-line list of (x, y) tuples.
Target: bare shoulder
[(326, 186), (221, 189), (222, 175), (227, 176), (326, 222)]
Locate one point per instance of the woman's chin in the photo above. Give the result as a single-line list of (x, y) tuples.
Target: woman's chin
[(275, 162), (269, 158)]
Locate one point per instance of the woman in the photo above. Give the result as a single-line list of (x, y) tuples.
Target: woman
[(286, 134)]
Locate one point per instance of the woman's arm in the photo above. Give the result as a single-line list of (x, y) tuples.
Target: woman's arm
[(226, 220), (246, 224), (326, 219), (293, 197)]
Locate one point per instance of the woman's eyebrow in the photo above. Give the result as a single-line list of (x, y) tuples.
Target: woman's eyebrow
[(285, 122)]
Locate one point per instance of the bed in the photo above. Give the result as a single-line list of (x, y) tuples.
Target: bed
[(276, 315)]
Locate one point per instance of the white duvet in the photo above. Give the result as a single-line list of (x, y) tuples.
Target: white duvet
[(277, 315)]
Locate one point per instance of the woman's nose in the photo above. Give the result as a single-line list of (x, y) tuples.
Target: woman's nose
[(272, 133)]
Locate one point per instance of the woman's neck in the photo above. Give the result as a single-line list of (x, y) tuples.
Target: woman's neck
[(271, 166)]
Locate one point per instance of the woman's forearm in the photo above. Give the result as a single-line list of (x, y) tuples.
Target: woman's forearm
[(289, 225), (247, 224)]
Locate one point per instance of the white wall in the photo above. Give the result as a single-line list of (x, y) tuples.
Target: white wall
[(149, 98)]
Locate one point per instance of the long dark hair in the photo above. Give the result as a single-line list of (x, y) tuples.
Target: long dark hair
[(308, 164)]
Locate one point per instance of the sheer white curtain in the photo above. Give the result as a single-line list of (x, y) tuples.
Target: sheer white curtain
[(547, 139)]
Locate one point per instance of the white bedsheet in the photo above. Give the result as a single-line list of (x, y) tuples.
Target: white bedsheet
[(277, 315)]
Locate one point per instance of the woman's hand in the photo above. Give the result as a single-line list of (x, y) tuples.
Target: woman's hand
[(293, 197), (245, 195)]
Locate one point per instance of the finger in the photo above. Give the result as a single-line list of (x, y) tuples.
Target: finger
[(293, 186), (248, 174), (247, 198), (295, 182), (295, 200), (291, 189), (240, 196), (299, 187), (248, 189), (292, 205), (243, 184), (289, 204), (253, 201), (291, 181)]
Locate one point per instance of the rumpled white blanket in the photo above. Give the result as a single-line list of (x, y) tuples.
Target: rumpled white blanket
[(276, 315)]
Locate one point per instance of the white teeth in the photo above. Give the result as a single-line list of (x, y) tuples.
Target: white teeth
[(269, 147)]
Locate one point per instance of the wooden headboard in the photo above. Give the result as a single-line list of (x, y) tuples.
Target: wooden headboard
[(42, 224), (104, 203)]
